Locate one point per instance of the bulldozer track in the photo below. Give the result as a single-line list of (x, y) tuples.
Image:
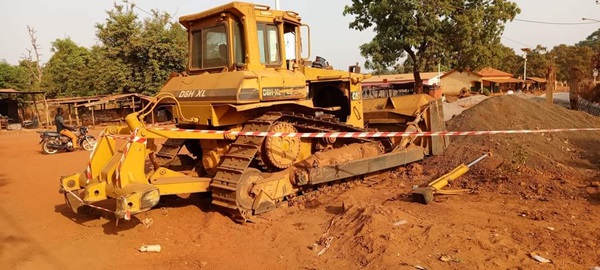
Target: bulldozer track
[(246, 149), (235, 162)]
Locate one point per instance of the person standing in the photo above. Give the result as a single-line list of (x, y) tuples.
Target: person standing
[(63, 128)]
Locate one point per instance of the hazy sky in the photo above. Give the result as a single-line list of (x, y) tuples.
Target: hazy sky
[(331, 37)]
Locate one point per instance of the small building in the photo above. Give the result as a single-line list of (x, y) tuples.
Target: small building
[(454, 81), (536, 83), (13, 105), (497, 81), (109, 109), (397, 84), (494, 80)]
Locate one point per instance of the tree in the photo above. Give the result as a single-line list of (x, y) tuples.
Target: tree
[(32, 60), (504, 58), (14, 77), (66, 73), (458, 32), (593, 40), (140, 55), (568, 57), (164, 50)]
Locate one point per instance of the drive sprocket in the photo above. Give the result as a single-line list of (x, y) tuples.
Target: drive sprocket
[(280, 151)]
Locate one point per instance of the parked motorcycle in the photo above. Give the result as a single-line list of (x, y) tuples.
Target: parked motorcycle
[(52, 142)]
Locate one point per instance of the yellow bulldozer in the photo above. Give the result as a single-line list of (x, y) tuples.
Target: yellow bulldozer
[(247, 75)]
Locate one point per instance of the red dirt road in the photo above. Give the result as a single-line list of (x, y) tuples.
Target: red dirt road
[(479, 231)]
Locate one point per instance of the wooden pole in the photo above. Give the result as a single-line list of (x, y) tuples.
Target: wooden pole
[(93, 118), (47, 111), (37, 112), (133, 103), (70, 119), (573, 88), (76, 113)]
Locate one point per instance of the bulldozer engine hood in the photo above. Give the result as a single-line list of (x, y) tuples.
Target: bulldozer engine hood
[(238, 87)]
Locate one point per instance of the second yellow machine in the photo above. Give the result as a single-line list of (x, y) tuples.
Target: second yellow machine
[(246, 73)]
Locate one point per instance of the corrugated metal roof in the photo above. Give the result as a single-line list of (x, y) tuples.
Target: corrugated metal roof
[(503, 80), (399, 78), (492, 72), (454, 70), (107, 99), (537, 79)]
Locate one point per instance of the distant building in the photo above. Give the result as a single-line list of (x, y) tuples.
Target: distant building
[(487, 78), (429, 78), (397, 84), (497, 81), (454, 81), (536, 83)]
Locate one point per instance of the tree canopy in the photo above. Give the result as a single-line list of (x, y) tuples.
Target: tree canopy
[(460, 33), (66, 73), (144, 52), (14, 77), (133, 56)]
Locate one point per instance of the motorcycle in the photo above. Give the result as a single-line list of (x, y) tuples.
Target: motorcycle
[(52, 142)]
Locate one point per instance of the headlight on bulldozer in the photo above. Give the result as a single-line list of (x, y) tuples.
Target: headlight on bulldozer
[(149, 199)]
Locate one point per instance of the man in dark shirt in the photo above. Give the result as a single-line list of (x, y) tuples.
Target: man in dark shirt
[(63, 128)]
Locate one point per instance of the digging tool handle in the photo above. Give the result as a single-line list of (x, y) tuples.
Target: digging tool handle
[(478, 159)]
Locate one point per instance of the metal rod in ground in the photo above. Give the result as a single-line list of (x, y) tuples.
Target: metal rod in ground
[(478, 159)]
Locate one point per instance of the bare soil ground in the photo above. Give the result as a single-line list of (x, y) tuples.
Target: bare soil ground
[(537, 194)]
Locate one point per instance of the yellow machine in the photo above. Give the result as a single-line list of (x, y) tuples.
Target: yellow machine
[(425, 195), (246, 72)]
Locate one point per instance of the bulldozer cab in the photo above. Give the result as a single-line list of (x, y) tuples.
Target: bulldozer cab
[(242, 36)]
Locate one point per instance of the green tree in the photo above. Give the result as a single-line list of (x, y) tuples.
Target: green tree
[(567, 57), (593, 40), (139, 54), (109, 74), (164, 50), (458, 32), (14, 77), (66, 73), (505, 59)]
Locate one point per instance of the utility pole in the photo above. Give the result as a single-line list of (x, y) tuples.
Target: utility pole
[(525, 51), (277, 4)]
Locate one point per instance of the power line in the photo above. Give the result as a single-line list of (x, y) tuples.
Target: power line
[(517, 42), (555, 23)]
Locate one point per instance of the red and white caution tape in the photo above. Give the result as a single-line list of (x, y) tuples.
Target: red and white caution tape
[(81, 202), (133, 138), (121, 137), (373, 134)]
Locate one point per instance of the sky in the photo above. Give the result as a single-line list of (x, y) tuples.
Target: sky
[(330, 36)]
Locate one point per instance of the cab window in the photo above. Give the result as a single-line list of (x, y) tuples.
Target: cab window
[(210, 48), (238, 43), (268, 44), (196, 49)]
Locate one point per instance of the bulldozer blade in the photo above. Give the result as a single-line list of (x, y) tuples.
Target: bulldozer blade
[(422, 195)]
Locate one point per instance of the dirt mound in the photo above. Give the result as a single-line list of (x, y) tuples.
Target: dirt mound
[(538, 165), (364, 232)]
